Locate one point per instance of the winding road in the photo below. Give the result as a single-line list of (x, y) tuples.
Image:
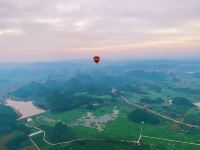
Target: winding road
[(124, 141), (72, 141)]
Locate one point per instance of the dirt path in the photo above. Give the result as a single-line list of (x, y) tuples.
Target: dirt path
[(170, 140)]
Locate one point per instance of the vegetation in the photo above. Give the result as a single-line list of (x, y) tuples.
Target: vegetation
[(7, 119), (16, 142), (59, 133), (134, 89), (148, 75), (69, 92), (187, 90), (142, 116), (99, 145), (181, 101), (152, 101), (23, 128)]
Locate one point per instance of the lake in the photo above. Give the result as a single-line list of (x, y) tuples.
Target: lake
[(25, 109), (197, 104)]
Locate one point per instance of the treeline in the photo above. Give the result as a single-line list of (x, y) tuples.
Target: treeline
[(8, 123), (59, 133), (7, 119), (133, 88), (71, 86), (182, 101), (148, 75), (186, 90), (101, 145), (139, 116), (59, 101), (154, 86), (148, 100), (17, 142), (60, 96), (97, 82)]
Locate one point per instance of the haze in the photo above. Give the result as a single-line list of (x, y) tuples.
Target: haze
[(43, 30)]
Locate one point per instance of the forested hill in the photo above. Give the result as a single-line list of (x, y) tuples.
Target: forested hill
[(7, 119), (62, 95)]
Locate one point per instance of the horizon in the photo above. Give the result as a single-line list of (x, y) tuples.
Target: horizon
[(90, 60)]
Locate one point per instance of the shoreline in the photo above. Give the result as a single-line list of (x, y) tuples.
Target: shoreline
[(24, 109), (197, 104)]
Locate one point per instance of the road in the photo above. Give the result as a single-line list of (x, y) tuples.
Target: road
[(124, 141), (72, 141), (143, 136), (158, 114)]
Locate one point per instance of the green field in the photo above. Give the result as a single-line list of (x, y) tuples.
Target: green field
[(120, 129), (144, 106)]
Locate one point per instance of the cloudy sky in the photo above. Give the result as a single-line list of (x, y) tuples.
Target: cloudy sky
[(43, 30)]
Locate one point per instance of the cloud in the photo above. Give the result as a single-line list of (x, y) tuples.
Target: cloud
[(10, 31), (66, 26)]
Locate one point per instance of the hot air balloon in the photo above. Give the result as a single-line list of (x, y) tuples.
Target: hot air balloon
[(96, 59)]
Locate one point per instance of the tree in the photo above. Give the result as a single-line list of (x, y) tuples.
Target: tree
[(62, 132), (143, 116)]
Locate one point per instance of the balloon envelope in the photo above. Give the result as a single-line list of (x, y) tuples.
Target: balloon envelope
[(96, 59)]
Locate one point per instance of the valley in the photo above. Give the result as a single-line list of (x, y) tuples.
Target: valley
[(134, 108)]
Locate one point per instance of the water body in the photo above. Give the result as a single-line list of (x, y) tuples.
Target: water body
[(197, 104), (24, 109)]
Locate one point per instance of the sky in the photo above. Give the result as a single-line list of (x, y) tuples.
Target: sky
[(45, 30)]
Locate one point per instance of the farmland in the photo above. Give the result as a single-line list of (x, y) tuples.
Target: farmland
[(140, 109)]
